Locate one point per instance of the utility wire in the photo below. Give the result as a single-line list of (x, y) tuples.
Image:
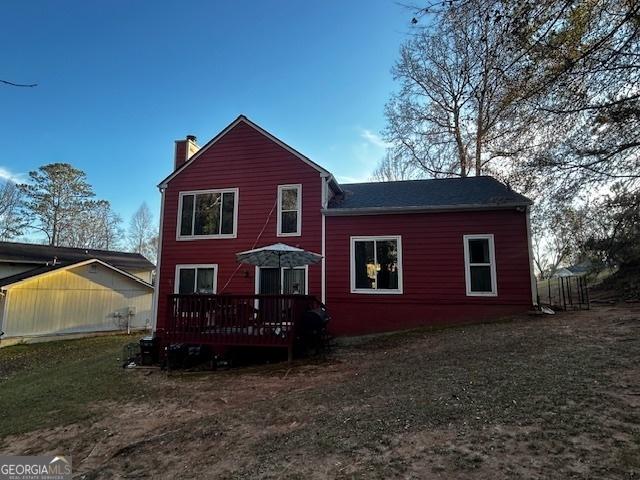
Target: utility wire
[(264, 227), (28, 85)]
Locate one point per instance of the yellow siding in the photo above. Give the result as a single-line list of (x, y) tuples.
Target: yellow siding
[(144, 275), (83, 299)]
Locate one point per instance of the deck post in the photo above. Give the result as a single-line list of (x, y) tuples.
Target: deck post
[(290, 353)]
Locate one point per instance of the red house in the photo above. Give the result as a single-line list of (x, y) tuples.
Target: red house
[(395, 254)]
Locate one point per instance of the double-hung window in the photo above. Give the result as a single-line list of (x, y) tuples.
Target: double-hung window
[(480, 265), (376, 264), (196, 279), (208, 214), (289, 210)]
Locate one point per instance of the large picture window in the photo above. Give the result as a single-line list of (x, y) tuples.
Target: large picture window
[(196, 279), (480, 265), (289, 210), (208, 214), (376, 264)]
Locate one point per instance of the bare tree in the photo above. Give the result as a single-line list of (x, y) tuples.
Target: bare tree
[(394, 167), (110, 227), (143, 233), (586, 58), (96, 226), (455, 112), (570, 69), (558, 233), (12, 219)]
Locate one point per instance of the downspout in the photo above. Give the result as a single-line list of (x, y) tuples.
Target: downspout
[(156, 286), (323, 274), (5, 308), (534, 284)]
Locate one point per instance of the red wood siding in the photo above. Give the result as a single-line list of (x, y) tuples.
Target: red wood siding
[(433, 270), (247, 160)]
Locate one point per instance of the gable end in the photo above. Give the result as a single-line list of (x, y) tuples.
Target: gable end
[(245, 120)]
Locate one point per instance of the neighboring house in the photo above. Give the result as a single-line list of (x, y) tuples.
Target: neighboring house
[(581, 268), (49, 291), (576, 270), (562, 272), (396, 254)]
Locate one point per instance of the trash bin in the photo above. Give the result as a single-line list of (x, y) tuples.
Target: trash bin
[(148, 350)]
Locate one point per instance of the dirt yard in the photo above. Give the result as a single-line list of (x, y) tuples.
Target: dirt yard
[(535, 397)]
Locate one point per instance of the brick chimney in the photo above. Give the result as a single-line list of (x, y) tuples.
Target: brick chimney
[(184, 150)]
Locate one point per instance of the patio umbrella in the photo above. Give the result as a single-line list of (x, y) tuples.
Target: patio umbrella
[(278, 255)]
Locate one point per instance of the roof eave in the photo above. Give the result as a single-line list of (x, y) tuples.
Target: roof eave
[(18, 260), (76, 265), (422, 209), (333, 183)]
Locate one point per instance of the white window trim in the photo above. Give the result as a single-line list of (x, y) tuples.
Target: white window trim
[(176, 283), (492, 264), (236, 191), (376, 291), (282, 269), (298, 232)]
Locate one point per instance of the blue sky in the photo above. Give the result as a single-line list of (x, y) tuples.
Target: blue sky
[(119, 81)]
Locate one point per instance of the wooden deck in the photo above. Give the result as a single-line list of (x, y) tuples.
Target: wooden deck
[(236, 320)]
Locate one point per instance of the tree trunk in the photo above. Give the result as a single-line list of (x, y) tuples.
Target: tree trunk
[(462, 154), (479, 135), (53, 241)]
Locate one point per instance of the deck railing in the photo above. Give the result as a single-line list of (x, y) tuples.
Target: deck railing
[(236, 320)]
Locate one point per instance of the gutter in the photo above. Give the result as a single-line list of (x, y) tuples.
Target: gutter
[(31, 262), (332, 182), (423, 209)]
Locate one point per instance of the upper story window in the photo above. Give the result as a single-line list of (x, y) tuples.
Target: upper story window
[(480, 265), (208, 214), (289, 210), (376, 264)]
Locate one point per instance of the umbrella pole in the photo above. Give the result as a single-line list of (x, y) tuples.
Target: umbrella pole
[(280, 273)]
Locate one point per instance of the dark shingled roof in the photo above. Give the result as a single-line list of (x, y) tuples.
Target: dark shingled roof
[(451, 193), (44, 254), (28, 274)]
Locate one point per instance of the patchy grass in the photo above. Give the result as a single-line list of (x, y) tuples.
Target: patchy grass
[(55, 383), (539, 397)]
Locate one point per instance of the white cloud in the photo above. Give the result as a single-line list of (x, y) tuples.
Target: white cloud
[(6, 174), (374, 138), (348, 179)]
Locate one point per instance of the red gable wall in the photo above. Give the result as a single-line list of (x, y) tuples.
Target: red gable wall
[(433, 270), (245, 159)]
